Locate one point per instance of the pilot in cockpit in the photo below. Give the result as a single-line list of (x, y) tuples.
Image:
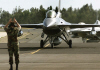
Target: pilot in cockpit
[(51, 14)]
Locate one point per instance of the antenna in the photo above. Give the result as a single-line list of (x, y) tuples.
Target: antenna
[(59, 6)]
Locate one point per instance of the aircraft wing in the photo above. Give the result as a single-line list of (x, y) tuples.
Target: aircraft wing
[(67, 24), (81, 29), (32, 25), (2, 25), (84, 30), (83, 25)]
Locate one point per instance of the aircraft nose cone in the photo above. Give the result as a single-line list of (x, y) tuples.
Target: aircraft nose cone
[(49, 23), (52, 24)]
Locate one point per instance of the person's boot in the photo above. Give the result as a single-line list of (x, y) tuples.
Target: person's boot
[(11, 67), (16, 66)]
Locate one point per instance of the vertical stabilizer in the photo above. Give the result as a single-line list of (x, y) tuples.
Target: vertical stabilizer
[(59, 6), (97, 15), (97, 21), (59, 14)]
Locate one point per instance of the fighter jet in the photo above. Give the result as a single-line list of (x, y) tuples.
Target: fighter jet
[(88, 34), (55, 28)]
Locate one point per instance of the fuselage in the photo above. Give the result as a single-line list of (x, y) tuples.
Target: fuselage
[(50, 26), (50, 23)]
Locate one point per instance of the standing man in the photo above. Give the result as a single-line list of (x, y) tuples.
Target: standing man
[(13, 45)]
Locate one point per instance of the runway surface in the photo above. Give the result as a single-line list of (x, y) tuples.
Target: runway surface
[(83, 56)]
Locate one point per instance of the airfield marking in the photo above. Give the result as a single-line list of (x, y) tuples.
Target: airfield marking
[(39, 49)]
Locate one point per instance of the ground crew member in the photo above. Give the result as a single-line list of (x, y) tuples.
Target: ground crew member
[(13, 48)]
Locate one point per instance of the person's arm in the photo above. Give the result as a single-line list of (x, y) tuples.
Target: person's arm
[(8, 23), (17, 23)]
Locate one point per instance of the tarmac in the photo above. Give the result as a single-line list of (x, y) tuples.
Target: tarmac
[(3, 34), (83, 56)]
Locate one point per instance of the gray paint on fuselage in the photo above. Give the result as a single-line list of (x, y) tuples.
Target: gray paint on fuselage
[(51, 28)]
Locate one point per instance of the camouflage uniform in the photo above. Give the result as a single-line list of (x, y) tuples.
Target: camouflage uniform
[(13, 45)]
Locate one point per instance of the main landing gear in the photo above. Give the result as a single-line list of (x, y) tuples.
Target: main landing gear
[(52, 45), (41, 44), (70, 43), (51, 39)]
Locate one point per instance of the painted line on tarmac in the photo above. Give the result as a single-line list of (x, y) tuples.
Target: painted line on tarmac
[(39, 49)]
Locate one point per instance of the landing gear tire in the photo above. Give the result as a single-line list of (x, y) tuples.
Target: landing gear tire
[(70, 43), (41, 44), (52, 45)]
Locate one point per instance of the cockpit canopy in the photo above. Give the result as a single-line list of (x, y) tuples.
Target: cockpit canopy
[(51, 14)]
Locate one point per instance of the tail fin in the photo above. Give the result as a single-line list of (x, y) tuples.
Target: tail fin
[(59, 6), (59, 14), (97, 15)]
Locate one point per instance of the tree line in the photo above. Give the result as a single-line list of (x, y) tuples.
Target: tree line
[(33, 15)]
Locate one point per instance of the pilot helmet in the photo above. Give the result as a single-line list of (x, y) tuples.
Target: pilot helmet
[(51, 14)]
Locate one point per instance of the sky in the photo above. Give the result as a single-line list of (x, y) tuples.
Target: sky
[(9, 5)]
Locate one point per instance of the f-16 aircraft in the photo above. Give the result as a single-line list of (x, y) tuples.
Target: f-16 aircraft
[(89, 34), (55, 28)]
